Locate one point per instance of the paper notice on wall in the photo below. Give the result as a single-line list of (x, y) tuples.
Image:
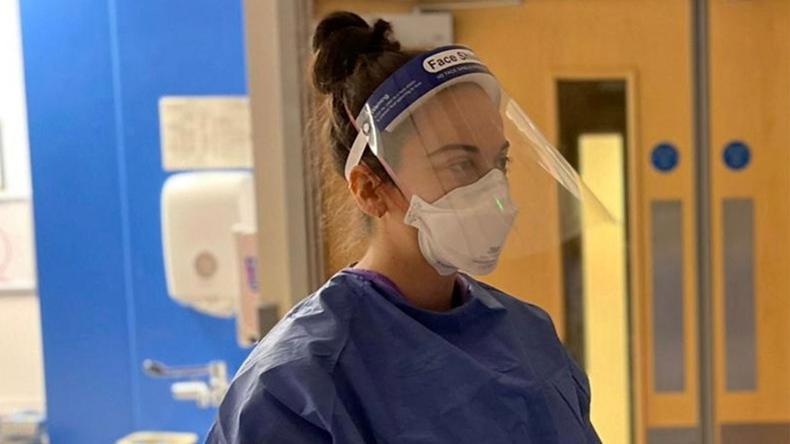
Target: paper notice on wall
[(17, 258), (205, 132), (2, 158)]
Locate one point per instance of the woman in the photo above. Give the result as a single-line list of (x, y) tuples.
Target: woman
[(403, 347)]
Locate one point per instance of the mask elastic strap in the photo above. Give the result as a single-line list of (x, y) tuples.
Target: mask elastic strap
[(350, 115)]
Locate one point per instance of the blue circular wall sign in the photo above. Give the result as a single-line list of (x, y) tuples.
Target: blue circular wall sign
[(665, 157), (737, 155)]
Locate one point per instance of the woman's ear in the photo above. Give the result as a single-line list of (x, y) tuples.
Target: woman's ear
[(363, 184)]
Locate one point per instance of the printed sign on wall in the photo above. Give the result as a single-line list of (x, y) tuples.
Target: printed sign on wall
[(665, 157), (17, 270), (737, 155)]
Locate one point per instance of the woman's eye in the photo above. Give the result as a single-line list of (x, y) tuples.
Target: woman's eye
[(462, 166)]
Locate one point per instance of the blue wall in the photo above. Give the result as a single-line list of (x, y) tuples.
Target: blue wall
[(95, 70)]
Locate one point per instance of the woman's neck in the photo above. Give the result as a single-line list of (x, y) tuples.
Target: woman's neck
[(420, 283)]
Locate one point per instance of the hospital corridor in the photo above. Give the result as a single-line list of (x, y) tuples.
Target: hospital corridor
[(395, 221)]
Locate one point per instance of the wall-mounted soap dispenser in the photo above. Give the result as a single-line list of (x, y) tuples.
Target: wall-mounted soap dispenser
[(199, 213)]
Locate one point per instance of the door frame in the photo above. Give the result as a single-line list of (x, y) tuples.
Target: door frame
[(635, 247)]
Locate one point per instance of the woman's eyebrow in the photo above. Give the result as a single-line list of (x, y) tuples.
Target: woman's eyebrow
[(504, 146), (455, 146)]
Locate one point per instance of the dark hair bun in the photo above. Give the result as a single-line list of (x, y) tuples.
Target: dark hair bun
[(339, 41)]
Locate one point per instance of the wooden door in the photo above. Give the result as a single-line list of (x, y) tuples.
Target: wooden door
[(750, 217)]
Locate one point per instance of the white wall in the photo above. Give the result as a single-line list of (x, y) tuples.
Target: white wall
[(21, 365), (22, 380)]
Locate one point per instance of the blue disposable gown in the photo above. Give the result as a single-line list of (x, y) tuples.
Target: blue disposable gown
[(356, 363)]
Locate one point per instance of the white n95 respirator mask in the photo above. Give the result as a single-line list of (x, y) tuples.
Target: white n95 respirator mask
[(465, 229)]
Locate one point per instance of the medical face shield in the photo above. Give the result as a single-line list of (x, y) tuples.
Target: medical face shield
[(484, 186)]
